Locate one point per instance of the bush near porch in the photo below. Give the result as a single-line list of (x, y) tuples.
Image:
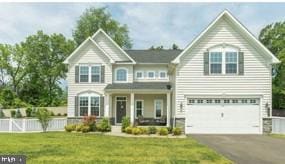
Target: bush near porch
[(69, 148)]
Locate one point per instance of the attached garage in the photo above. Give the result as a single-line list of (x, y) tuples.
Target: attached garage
[(223, 116)]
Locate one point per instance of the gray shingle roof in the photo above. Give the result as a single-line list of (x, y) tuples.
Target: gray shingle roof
[(153, 56), (138, 85)]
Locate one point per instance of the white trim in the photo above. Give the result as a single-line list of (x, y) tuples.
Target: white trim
[(101, 30), (139, 78), (116, 106), (233, 19), (127, 74), (150, 77), (155, 100), (66, 61), (136, 107)]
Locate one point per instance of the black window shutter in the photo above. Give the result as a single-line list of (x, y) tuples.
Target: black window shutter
[(240, 63), (76, 74), (102, 105), (76, 106), (206, 63), (102, 74)]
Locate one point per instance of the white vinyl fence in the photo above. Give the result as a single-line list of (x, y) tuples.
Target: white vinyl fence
[(30, 125), (278, 125)]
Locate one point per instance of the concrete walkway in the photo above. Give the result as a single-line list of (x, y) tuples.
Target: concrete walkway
[(247, 149)]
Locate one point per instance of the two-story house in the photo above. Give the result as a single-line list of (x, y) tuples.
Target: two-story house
[(220, 83)]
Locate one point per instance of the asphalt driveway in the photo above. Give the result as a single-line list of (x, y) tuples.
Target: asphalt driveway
[(243, 149)]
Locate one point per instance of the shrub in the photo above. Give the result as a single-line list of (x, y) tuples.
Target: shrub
[(125, 123), (143, 130), (44, 118), (65, 114), (104, 125), (128, 130), (152, 130), (163, 131), (78, 127), (85, 128), (29, 112), (169, 130), (136, 131), (70, 128), (52, 113), (58, 114), (2, 115), (34, 112), (90, 121), (18, 114), (177, 131), (13, 113)]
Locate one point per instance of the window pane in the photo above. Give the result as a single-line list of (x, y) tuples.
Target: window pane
[(162, 75), (231, 57), (95, 73), (95, 106), (158, 108), (139, 74), (139, 104), (139, 112), (216, 57), (216, 68), (231, 68), (95, 111), (121, 75), (151, 74), (84, 71)]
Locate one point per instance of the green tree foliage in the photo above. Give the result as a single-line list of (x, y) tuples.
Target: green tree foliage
[(273, 37), (175, 46), (93, 19), (156, 48), (44, 117), (45, 69)]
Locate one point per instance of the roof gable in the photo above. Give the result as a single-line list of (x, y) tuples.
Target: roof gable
[(237, 24), (102, 33), (81, 46)]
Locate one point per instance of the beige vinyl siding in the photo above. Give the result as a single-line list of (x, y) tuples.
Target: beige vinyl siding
[(146, 68), (190, 78), (130, 72), (110, 48), (89, 54)]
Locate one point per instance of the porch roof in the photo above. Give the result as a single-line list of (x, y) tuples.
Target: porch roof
[(138, 86)]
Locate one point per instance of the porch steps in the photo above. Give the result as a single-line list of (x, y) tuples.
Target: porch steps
[(116, 129)]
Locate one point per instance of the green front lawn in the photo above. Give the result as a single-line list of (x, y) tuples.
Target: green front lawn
[(62, 147), (278, 135)]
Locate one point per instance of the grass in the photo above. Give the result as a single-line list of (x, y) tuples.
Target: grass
[(278, 135), (62, 147)]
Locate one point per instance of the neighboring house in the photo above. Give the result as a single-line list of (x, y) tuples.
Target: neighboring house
[(220, 83)]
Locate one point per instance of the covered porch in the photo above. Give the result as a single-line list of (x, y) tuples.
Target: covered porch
[(144, 105)]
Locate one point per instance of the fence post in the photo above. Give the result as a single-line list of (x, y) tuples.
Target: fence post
[(24, 125), (10, 124)]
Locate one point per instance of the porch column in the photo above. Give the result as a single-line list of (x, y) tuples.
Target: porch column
[(168, 109), (132, 113), (107, 105)]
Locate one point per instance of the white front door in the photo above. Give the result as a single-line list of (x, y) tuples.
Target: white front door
[(223, 116)]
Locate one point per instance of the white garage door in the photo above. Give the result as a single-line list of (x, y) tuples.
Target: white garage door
[(223, 116)]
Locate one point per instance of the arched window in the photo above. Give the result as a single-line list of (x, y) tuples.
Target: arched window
[(121, 74), (89, 104)]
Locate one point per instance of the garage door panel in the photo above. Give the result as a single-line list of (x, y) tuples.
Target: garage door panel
[(227, 117)]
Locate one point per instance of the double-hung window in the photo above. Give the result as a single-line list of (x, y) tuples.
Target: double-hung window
[(139, 108), (231, 62), (216, 62), (95, 106), (95, 73), (158, 106), (83, 105), (84, 74), (139, 74), (162, 75), (151, 74)]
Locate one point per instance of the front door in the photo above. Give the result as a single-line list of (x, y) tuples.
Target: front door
[(121, 108)]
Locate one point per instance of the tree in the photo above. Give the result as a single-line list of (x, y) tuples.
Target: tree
[(93, 19), (44, 117), (175, 46), (156, 48), (273, 37), (12, 62), (45, 54)]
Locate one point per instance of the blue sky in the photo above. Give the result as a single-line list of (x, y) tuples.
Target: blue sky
[(149, 23)]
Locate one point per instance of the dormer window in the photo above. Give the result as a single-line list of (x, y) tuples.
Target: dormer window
[(121, 74)]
